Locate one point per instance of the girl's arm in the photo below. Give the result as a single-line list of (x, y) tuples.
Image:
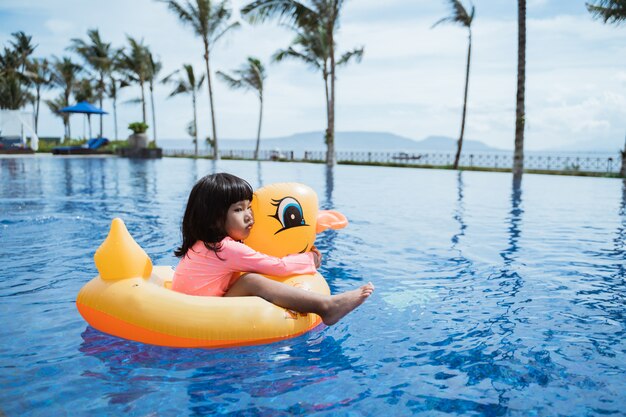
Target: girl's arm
[(241, 257)]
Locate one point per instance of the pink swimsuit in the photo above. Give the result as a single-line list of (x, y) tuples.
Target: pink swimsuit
[(201, 272)]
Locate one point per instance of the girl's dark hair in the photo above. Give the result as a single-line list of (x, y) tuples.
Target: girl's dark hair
[(208, 204)]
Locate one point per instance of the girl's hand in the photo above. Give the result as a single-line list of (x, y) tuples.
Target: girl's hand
[(317, 256)]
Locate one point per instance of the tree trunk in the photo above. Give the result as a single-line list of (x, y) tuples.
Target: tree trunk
[(101, 96), (258, 133), (518, 156), (195, 122), (327, 96), (38, 99), (330, 131), (115, 116), (216, 153), (154, 128), (467, 71), (143, 102)]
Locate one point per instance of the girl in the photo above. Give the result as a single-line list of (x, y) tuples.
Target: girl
[(217, 218)]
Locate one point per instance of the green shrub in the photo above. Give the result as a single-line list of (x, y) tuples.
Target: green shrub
[(138, 127)]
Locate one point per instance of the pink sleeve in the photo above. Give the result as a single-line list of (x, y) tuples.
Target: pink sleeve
[(240, 257)]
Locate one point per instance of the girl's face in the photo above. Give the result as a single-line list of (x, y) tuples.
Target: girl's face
[(239, 220)]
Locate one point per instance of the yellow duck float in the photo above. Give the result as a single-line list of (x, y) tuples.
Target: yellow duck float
[(132, 299)]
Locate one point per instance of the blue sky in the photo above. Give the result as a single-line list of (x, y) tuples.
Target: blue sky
[(410, 81)]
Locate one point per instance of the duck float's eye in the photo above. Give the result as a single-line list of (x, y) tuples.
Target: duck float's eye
[(288, 213)]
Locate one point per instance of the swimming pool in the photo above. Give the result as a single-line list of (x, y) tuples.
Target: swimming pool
[(490, 300)]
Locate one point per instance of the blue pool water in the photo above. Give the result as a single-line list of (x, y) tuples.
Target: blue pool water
[(491, 300)]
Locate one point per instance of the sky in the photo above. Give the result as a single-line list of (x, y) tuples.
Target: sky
[(410, 81)]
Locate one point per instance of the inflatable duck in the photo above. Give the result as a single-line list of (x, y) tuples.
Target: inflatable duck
[(132, 299)]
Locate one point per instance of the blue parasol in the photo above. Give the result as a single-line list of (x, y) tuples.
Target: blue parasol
[(85, 108)]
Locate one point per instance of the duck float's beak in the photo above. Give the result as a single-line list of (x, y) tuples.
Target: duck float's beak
[(330, 219)]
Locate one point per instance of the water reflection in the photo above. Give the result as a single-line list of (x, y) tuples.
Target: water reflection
[(515, 218), (68, 176), (509, 366), (330, 185), (334, 271), (259, 174), (14, 172), (459, 211), (13, 166), (212, 375), (620, 239)]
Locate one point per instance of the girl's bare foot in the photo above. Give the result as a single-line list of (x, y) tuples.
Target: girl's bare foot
[(342, 304)]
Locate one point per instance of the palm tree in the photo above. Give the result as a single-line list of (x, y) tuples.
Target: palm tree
[(40, 76), (251, 76), (13, 80), (520, 117), (135, 65), (99, 55), (55, 106), (13, 95), (187, 84), (210, 21), (311, 47), (460, 16), (64, 76), (307, 16), (611, 11), (23, 47), (84, 91), (154, 67), (112, 89)]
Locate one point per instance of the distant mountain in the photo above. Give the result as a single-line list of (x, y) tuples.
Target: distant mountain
[(356, 141), (600, 145), (384, 142)]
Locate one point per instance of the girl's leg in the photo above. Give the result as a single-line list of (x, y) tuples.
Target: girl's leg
[(330, 308)]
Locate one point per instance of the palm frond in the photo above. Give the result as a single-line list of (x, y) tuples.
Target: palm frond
[(458, 15), (180, 88), (169, 76), (185, 15), (228, 28), (286, 11), (133, 101), (200, 81), (610, 11), (230, 81), (291, 53), (356, 54)]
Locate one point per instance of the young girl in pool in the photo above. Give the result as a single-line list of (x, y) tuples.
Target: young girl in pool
[(217, 218)]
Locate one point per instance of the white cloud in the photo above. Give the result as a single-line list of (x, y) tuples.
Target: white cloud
[(59, 27)]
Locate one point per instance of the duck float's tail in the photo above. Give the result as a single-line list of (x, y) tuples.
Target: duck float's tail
[(120, 257)]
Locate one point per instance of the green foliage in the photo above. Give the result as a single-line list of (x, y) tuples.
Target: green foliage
[(610, 11), (13, 80), (138, 127), (209, 20), (250, 76), (458, 15), (98, 55), (135, 64), (185, 83)]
